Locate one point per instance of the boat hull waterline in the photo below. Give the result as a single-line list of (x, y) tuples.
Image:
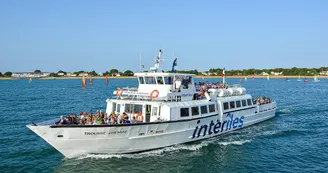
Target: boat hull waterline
[(74, 141)]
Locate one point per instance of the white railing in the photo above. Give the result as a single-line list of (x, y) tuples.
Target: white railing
[(266, 106)]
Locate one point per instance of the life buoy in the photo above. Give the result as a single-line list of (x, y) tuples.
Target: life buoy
[(119, 92), (139, 117), (154, 94)]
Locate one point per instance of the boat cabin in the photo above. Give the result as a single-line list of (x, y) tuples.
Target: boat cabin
[(160, 87)]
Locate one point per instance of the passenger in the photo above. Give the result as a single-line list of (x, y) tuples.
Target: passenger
[(99, 120), (111, 115), (107, 120), (177, 85), (160, 81), (202, 91), (113, 121), (102, 122), (102, 114), (62, 120), (90, 114), (88, 121), (120, 119), (67, 120), (81, 122), (185, 82), (82, 115), (133, 120), (127, 121), (197, 86), (94, 121)]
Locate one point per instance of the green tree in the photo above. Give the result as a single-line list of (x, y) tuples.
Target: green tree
[(8, 74), (61, 71), (78, 72), (128, 73), (53, 75), (106, 73), (113, 72), (0, 74), (37, 71), (93, 73)]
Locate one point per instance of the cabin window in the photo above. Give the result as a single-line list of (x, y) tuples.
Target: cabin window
[(131, 108), (244, 102), (238, 104), (114, 107), (211, 108), (168, 80), (141, 80), (232, 105), (249, 102), (184, 112), (128, 108), (150, 80), (195, 111), (118, 108), (226, 106), (154, 111), (203, 109), (160, 80), (137, 108)]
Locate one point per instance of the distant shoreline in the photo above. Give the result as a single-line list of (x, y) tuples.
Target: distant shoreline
[(132, 77)]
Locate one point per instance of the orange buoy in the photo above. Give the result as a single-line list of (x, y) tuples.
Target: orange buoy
[(154, 94), (90, 78), (84, 82), (139, 117)]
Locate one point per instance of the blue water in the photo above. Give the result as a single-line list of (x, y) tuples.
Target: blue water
[(296, 140)]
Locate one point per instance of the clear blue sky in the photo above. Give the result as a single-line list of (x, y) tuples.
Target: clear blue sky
[(101, 35)]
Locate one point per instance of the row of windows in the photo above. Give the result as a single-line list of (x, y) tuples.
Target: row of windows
[(237, 104), (156, 80), (184, 112)]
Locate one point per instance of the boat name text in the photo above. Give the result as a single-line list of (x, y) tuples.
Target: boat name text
[(209, 129)]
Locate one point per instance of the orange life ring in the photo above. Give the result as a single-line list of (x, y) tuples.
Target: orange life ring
[(139, 117), (154, 94), (119, 92)]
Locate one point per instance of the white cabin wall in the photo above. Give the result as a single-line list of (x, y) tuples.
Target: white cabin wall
[(109, 107), (165, 112)]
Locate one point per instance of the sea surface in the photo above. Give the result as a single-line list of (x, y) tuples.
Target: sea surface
[(296, 140)]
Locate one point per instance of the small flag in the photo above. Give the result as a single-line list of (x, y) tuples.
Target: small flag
[(175, 63), (223, 72)]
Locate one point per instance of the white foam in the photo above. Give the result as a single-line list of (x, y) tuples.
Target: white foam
[(234, 142), (157, 152)]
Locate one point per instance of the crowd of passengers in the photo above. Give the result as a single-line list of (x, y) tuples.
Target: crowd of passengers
[(100, 118), (262, 100), (206, 85)]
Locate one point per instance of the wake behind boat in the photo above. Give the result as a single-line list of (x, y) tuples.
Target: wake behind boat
[(166, 109)]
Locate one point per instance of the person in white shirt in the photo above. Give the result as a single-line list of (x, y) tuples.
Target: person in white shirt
[(177, 84)]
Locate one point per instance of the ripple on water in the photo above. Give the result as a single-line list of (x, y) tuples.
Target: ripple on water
[(294, 141)]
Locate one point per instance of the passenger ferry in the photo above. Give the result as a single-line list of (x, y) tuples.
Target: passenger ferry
[(168, 114)]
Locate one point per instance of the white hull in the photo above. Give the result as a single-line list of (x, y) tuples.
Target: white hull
[(80, 140)]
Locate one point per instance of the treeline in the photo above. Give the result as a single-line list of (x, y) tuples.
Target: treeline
[(211, 72), (112, 72), (283, 71)]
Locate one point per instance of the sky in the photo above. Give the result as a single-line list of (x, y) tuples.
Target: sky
[(101, 35)]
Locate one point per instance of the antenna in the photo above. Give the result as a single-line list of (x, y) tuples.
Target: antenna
[(157, 61)]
